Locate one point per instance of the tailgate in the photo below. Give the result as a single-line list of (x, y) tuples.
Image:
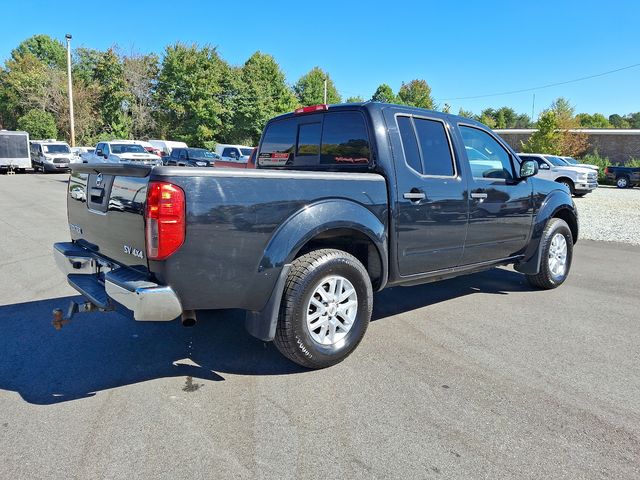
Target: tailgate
[(105, 206)]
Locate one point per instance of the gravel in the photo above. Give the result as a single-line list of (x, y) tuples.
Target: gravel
[(610, 214)]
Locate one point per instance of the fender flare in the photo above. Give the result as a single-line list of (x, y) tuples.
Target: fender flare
[(555, 201), (293, 234)]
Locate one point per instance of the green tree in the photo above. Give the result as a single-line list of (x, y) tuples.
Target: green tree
[(263, 94), (140, 74), (564, 112), (617, 121), (597, 120), (355, 99), (416, 93), (522, 121), (384, 94), (309, 89), (548, 138), (49, 51), (39, 124), (633, 119), (194, 94), (114, 100), (466, 114)]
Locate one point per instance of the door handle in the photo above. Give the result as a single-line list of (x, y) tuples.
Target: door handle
[(478, 195), (413, 196)]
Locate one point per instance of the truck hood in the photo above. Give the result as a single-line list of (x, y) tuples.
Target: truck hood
[(136, 156), (573, 170)]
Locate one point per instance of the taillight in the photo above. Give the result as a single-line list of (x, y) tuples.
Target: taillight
[(165, 219), (606, 170), (312, 108)]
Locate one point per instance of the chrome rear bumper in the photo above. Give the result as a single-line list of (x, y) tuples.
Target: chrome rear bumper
[(103, 282)]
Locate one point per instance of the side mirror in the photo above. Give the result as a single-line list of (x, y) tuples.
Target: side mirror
[(99, 153), (528, 169), (544, 166)]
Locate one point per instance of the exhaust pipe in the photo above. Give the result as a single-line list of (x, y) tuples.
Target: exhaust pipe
[(189, 318)]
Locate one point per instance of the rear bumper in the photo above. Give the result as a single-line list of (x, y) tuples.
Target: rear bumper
[(106, 284)]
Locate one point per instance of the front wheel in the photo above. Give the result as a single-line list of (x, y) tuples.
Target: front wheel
[(557, 252), (325, 310)]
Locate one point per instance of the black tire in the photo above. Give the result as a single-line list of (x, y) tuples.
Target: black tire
[(623, 182), (293, 338), (545, 279), (569, 185)]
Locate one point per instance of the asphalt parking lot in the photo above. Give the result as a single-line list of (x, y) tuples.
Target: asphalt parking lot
[(475, 377)]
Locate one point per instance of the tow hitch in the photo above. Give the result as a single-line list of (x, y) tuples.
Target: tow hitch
[(74, 307)]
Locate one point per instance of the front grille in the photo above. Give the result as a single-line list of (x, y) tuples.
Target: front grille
[(591, 176), (60, 160)]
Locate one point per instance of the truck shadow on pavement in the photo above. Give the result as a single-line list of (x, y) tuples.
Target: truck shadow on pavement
[(97, 351)]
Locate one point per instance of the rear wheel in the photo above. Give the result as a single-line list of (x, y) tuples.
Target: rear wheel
[(557, 252), (622, 182), (325, 310)]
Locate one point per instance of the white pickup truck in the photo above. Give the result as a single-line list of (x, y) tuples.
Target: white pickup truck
[(579, 180), (123, 151)]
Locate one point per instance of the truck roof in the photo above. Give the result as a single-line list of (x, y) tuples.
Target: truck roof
[(379, 106)]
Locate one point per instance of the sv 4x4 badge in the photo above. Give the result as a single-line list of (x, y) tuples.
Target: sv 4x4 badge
[(133, 251)]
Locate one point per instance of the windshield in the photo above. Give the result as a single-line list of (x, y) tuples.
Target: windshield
[(127, 148), (56, 148), (246, 151), (556, 161), (570, 160), (200, 154)]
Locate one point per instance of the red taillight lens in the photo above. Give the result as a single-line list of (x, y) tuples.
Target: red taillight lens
[(606, 170), (312, 108), (165, 219)]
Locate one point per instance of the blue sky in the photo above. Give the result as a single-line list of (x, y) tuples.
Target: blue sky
[(463, 48)]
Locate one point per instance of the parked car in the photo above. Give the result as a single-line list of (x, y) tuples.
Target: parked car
[(191, 157), (233, 153), (165, 146), (572, 161), (578, 180), (345, 200), (625, 177), (123, 151), (14, 151), (150, 148), (51, 155), (249, 163)]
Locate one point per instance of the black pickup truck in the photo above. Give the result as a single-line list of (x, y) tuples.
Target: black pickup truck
[(346, 200), (625, 177)]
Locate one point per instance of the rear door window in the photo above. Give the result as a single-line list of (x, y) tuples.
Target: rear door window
[(279, 143), (426, 146)]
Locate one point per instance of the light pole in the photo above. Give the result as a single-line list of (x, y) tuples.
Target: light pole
[(71, 122)]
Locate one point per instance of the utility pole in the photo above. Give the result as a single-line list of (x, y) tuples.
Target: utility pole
[(71, 121), (325, 90), (533, 107)]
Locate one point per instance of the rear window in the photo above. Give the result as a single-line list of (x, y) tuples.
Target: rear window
[(335, 140)]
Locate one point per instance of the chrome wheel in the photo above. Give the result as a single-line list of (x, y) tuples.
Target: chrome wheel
[(558, 256), (622, 182), (332, 310)]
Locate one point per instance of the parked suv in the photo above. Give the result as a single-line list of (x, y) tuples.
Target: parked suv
[(123, 151), (51, 156), (191, 157), (579, 180), (233, 153)]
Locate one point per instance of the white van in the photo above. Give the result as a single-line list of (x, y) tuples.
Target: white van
[(14, 151), (51, 155), (233, 153), (165, 146)]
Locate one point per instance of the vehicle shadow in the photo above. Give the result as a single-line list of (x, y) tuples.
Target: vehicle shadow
[(99, 351)]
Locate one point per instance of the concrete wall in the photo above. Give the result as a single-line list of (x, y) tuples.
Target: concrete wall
[(619, 145)]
